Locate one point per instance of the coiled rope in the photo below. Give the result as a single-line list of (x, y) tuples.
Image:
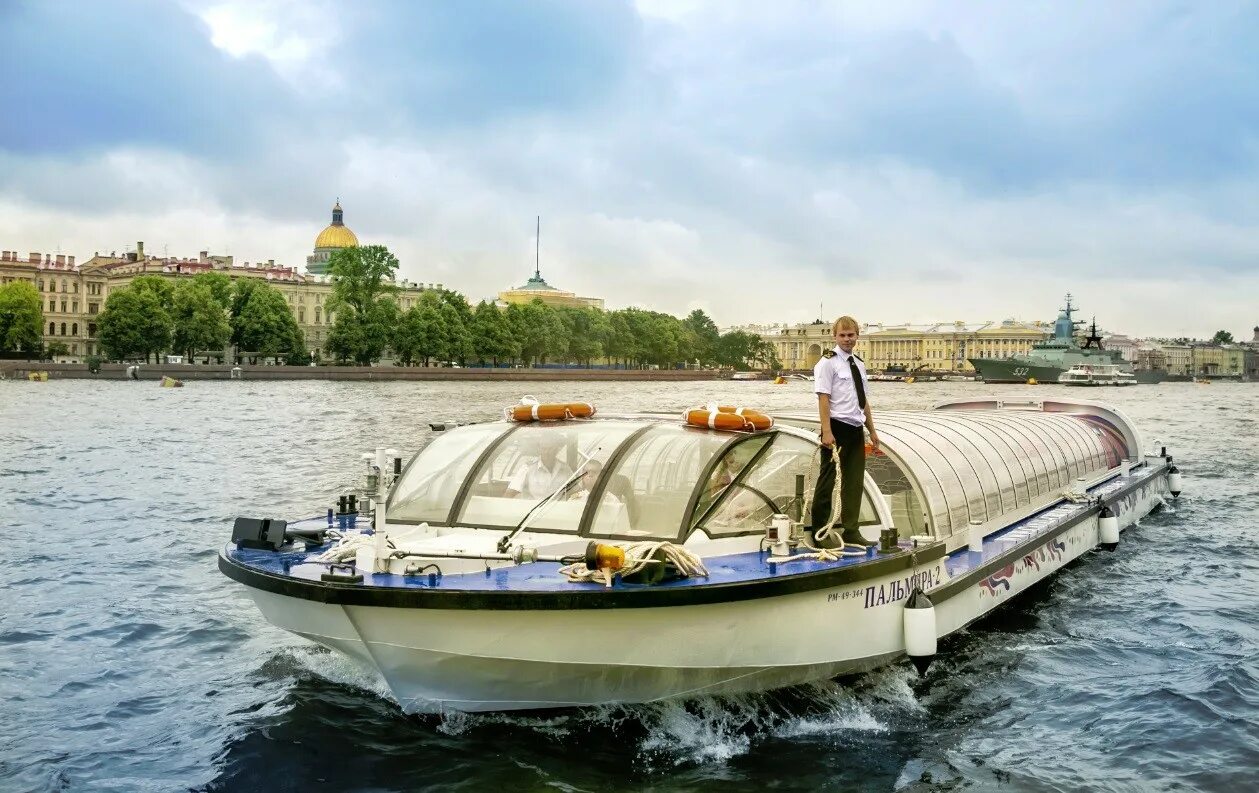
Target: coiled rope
[(637, 556)]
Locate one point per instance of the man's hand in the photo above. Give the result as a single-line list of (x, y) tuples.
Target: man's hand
[(828, 438), (874, 442)]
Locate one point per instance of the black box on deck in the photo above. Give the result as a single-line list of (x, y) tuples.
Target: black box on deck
[(262, 533)]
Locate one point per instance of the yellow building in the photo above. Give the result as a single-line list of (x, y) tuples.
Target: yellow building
[(63, 293), (332, 239), (73, 296), (1177, 359), (1211, 360), (539, 289), (939, 347)]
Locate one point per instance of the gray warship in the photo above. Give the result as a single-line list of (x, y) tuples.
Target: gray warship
[(1057, 354)]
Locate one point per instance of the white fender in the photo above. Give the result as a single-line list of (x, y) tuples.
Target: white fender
[(920, 630), (1107, 529)]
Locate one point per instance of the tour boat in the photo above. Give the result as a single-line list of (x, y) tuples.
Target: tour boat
[(557, 558), (1096, 374)]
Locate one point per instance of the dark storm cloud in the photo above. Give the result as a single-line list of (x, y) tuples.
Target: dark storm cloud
[(85, 76)]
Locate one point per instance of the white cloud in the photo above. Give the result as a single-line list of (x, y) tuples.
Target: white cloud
[(908, 162)]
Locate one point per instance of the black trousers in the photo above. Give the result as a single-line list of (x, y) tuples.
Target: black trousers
[(851, 442)]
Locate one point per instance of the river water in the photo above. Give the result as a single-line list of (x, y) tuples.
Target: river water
[(128, 663)]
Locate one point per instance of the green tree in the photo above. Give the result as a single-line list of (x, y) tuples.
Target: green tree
[(492, 338), (736, 349), (362, 300), (661, 339), (458, 335), (163, 288), (706, 336), (242, 290), (586, 329), (56, 348), (134, 323), (200, 319), (1222, 337), (266, 326), (541, 332), (21, 317), (219, 285), (422, 333)]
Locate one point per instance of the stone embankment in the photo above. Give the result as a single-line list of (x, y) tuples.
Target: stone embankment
[(114, 371)]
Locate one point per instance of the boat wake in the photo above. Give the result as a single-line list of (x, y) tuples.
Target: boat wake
[(672, 733)]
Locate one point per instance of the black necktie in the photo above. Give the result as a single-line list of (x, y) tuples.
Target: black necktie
[(856, 381)]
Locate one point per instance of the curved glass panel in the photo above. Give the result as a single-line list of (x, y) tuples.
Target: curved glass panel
[(940, 474), (726, 472), (428, 487), (980, 464), (976, 472), (550, 466), (658, 475), (1005, 469), (748, 499)]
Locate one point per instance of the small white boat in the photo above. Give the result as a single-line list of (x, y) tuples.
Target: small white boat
[(746, 376), (527, 563), (1097, 374)]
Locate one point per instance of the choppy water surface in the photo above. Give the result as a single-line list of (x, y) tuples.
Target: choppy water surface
[(128, 663)]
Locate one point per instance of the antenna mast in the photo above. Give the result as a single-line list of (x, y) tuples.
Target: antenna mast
[(537, 251)]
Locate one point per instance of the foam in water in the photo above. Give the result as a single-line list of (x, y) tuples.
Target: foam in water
[(340, 669), (705, 730)]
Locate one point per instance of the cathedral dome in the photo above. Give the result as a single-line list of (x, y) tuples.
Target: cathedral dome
[(336, 235)]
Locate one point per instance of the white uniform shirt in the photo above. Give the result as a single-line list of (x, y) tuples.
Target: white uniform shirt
[(833, 376), (537, 481)]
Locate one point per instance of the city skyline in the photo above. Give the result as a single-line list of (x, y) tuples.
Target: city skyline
[(919, 164)]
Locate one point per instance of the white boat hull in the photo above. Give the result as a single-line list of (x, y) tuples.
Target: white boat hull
[(435, 659)]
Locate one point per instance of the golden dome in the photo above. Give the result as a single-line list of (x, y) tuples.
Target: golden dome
[(336, 235)]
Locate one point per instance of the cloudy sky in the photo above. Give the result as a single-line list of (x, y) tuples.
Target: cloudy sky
[(903, 161)]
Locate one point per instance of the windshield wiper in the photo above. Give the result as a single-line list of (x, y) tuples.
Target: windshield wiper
[(547, 499)]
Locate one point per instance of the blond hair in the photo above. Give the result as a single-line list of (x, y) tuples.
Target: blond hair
[(845, 322)]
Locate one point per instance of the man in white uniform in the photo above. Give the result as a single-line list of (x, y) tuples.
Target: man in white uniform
[(544, 475), (839, 380)]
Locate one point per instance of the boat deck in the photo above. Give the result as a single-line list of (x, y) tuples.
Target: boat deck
[(725, 571)]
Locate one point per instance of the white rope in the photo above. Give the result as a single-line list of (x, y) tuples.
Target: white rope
[(637, 556), (828, 530), (346, 548), (1076, 497)]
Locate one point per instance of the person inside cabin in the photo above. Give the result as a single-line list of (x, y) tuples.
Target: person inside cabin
[(584, 485), (545, 473), (839, 380)]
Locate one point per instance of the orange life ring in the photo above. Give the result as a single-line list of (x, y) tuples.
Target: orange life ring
[(759, 420), (728, 418), (532, 411)]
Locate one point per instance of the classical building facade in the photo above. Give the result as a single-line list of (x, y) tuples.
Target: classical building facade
[(73, 296), (939, 347), (539, 289)]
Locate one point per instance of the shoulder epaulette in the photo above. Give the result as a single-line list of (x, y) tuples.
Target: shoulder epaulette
[(828, 354)]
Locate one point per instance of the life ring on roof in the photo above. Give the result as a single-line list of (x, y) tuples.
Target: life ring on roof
[(727, 417), (759, 420), (530, 409)]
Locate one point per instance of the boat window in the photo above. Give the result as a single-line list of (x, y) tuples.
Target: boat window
[(428, 487), (726, 471), (908, 516), (565, 458), (769, 487), (1113, 443), (659, 475)]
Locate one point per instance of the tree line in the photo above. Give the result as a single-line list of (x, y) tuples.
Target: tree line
[(153, 315), (443, 328)]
